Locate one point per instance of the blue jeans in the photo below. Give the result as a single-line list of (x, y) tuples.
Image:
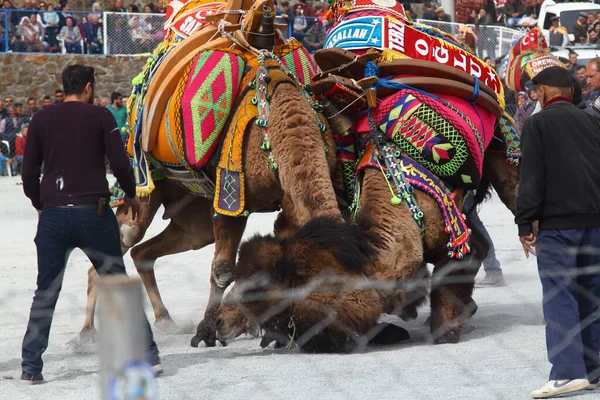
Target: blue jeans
[(60, 230), (491, 265), (567, 263), (513, 21)]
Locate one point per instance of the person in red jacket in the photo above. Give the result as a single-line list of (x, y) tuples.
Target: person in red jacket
[(17, 160)]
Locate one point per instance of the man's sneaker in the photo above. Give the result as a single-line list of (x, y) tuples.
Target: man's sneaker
[(29, 379), (555, 388), (158, 369), (491, 281)]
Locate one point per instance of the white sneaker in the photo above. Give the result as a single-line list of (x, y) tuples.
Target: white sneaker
[(555, 388)]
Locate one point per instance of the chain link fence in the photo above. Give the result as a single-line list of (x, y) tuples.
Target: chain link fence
[(491, 41)]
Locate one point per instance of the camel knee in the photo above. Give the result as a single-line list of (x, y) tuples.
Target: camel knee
[(140, 259)]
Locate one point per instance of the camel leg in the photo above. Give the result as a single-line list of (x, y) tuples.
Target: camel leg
[(228, 233), (182, 234), (132, 233), (451, 293)]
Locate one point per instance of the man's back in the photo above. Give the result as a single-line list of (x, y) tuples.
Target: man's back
[(568, 140), (72, 139)]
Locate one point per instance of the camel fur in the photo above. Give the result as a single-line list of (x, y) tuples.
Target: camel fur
[(301, 187), (343, 310)]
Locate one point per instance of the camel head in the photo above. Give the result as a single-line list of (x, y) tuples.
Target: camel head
[(310, 288)]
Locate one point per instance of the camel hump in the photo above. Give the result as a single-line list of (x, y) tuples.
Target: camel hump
[(323, 240)]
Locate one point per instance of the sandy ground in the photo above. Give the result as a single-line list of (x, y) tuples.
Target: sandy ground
[(503, 357)]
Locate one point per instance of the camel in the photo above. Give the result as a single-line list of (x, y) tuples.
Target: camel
[(307, 289), (301, 187)]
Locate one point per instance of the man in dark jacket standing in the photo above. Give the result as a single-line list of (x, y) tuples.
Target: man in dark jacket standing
[(559, 188), (72, 139)]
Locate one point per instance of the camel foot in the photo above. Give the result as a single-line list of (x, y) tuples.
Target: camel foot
[(270, 337), (451, 335), (222, 273), (166, 324), (88, 335), (389, 335), (207, 333)]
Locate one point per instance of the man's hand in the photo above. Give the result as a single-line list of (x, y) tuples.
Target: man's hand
[(528, 242), (135, 205)]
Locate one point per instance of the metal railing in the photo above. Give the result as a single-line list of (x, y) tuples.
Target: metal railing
[(106, 33), (493, 41)]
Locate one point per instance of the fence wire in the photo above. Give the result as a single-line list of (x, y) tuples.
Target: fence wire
[(491, 41)]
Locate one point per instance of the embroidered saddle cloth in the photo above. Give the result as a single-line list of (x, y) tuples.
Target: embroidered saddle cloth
[(446, 134)]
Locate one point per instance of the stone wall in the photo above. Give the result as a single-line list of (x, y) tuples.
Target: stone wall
[(37, 75)]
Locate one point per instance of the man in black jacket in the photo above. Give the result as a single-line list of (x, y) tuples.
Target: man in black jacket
[(72, 139), (559, 188)]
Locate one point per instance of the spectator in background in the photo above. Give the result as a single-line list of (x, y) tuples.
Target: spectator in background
[(309, 13), (592, 73), (133, 8), (46, 101), (8, 101), (287, 14), (428, 11), (160, 7), (3, 111), (440, 15), (97, 9), (17, 161), (409, 11), (488, 60), (487, 37), (315, 37), (514, 11), (96, 101), (573, 62), (300, 24), (580, 28), (467, 36), (31, 108), (104, 102), (71, 36), (13, 16), (559, 36), (25, 10), (28, 37), (9, 128), (19, 110), (118, 111), (581, 79), (59, 96), (592, 36), (591, 18), (525, 106), (94, 40), (51, 19), (118, 7)]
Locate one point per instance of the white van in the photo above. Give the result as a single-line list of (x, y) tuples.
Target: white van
[(567, 12)]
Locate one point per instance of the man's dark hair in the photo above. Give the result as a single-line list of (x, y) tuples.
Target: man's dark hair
[(115, 96), (580, 67), (31, 98), (75, 77), (487, 58), (57, 91), (427, 5), (285, 4), (18, 105), (47, 97)]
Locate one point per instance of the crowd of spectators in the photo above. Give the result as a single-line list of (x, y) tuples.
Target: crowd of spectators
[(15, 118), (47, 27)]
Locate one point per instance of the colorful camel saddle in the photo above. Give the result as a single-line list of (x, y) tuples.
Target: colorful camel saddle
[(445, 134), (414, 175), (529, 56), (366, 28), (198, 115)]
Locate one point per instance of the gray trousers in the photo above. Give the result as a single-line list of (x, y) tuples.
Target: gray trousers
[(491, 265)]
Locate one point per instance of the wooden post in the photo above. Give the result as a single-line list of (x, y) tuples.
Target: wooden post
[(125, 372)]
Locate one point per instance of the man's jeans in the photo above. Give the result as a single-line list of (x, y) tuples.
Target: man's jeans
[(60, 230), (568, 262), (491, 265)]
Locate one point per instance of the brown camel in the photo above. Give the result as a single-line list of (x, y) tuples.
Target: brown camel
[(301, 187), (306, 290)]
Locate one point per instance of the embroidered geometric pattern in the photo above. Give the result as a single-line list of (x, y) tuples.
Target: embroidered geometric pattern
[(212, 86), (301, 63)]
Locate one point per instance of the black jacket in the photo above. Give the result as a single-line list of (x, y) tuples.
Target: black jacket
[(560, 170)]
